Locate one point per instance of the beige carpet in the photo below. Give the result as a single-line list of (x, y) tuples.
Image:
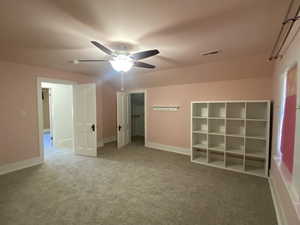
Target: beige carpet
[(132, 186)]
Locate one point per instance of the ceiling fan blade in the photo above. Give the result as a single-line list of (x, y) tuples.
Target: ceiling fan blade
[(101, 47), (144, 54), (92, 60), (143, 65), (76, 61)]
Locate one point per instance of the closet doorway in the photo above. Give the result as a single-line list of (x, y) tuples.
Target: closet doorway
[(137, 118), (131, 118)]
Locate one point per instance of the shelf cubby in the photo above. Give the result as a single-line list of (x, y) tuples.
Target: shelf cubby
[(235, 162), (200, 155), (216, 142), (200, 125), (217, 110), (216, 158), (199, 141), (256, 129), (235, 127), (200, 110), (257, 110), (255, 166), (216, 126), (235, 145), (256, 148), (236, 110), (232, 135)]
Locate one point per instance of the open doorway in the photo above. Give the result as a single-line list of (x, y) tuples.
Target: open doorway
[(131, 118), (57, 118), (72, 112), (137, 116)]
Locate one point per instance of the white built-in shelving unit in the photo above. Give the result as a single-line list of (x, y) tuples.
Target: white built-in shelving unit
[(233, 135)]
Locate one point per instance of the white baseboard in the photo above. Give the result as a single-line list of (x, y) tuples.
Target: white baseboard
[(168, 148), (7, 168), (64, 143), (100, 143), (109, 139), (90, 153), (281, 218)]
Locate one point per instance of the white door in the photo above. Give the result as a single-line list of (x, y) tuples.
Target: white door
[(85, 134), (122, 119), (62, 121)]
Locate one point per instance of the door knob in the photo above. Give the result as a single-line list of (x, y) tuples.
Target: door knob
[(93, 127), (119, 127)]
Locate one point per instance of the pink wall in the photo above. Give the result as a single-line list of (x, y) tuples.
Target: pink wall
[(18, 104), (173, 128), (233, 68), (109, 111)]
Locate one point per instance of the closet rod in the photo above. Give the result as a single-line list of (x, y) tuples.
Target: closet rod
[(286, 21)]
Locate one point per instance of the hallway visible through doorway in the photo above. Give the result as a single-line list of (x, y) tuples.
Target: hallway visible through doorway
[(48, 144), (57, 117)]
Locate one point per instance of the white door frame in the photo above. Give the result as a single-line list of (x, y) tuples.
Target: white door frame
[(41, 80), (50, 111), (140, 91)]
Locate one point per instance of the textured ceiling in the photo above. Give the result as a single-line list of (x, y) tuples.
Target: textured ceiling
[(52, 32)]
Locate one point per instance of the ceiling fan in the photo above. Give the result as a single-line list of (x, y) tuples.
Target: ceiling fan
[(120, 61)]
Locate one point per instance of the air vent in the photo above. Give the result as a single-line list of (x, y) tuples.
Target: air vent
[(211, 53)]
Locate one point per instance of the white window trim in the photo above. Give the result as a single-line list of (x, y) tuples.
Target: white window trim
[(287, 177)]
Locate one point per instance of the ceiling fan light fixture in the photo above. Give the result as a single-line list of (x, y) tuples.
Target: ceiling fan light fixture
[(121, 63)]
